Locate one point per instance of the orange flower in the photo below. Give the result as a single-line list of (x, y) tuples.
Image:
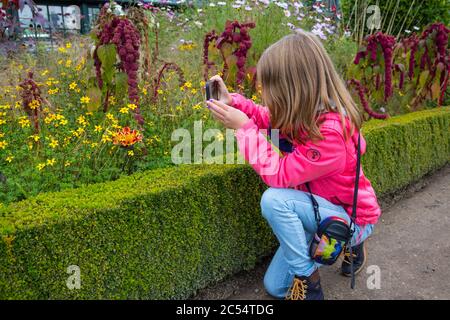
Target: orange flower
[(126, 137)]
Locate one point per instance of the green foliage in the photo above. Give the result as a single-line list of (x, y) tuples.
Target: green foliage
[(422, 13), (167, 232)]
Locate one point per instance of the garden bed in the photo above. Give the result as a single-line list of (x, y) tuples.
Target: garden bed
[(167, 232)]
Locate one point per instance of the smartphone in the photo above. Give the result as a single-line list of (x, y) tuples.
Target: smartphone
[(212, 90)]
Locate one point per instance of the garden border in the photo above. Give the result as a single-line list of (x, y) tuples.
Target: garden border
[(168, 232)]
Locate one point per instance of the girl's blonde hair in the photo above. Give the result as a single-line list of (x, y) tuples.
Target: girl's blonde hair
[(298, 82)]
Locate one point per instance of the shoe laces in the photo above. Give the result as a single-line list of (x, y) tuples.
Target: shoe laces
[(298, 290), (347, 255)]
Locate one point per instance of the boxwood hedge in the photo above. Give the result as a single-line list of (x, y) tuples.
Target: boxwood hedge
[(168, 232)]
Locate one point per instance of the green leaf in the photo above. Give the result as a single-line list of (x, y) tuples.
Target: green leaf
[(121, 80), (107, 55), (423, 78), (95, 94)]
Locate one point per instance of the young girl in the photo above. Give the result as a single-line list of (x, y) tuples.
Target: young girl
[(310, 105)]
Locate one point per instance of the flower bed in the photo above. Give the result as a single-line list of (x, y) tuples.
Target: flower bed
[(167, 232)]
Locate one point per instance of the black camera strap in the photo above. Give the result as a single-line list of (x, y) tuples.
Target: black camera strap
[(355, 202)]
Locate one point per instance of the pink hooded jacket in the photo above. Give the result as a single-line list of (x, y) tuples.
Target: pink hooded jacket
[(329, 165)]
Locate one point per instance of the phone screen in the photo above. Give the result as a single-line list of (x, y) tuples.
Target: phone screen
[(212, 91)]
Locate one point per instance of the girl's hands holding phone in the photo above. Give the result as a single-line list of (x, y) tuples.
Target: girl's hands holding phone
[(223, 94), (230, 117)]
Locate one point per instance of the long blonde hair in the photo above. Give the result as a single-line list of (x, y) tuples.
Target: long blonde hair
[(298, 82)]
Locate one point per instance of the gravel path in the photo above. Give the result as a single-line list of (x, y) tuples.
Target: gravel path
[(410, 248)]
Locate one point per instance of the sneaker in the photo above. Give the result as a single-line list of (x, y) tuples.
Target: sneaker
[(359, 260), (306, 288)]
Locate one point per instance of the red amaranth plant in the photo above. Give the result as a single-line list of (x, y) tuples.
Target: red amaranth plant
[(386, 43), (168, 66), (361, 91), (121, 32), (31, 99), (236, 35), (439, 34)]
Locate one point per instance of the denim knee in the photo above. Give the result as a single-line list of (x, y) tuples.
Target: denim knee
[(269, 199)]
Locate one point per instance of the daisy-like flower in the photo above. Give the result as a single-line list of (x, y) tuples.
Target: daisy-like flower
[(53, 144), (85, 100), (124, 110), (126, 137), (132, 106)]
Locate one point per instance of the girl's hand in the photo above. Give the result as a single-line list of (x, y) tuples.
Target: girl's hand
[(230, 117), (224, 95)]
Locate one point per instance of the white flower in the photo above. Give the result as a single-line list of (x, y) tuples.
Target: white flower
[(416, 28), (198, 24), (290, 25), (283, 5), (212, 4), (221, 3), (287, 13), (248, 8), (407, 31), (382, 109)]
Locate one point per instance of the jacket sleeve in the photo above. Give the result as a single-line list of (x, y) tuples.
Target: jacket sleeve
[(258, 113), (306, 163)]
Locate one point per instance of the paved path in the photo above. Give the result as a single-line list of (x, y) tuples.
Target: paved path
[(410, 246)]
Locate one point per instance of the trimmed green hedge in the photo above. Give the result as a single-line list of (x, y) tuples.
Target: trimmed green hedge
[(168, 232)]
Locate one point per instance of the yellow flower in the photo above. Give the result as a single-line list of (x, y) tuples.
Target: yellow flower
[(194, 91), (110, 116), (202, 83), (82, 120), (123, 110), (144, 91), (68, 45), (160, 91), (9, 159), (68, 63), (3, 144), (54, 143), (34, 104), (94, 144), (40, 166), (2, 121), (51, 162), (44, 73), (35, 137), (85, 99), (130, 153), (197, 106), (106, 138), (67, 163), (53, 91), (132, 106), (254, 98), (188, 84), (73, 86), (62, 49), (219, 136), (63, 122), (98, 128), (24, 122)]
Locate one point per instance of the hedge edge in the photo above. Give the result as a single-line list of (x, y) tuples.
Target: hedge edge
[(168, 232)]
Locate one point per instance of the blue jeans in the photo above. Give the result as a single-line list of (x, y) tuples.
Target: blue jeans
[(291, 216)]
